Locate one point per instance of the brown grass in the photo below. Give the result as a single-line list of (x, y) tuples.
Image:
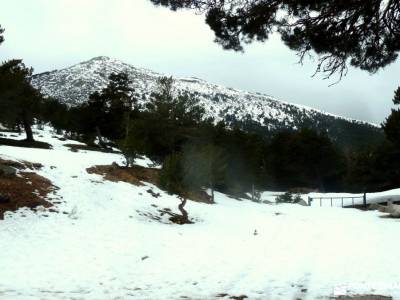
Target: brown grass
[(21, 165), (24, 143), (135, 175), (27, 190), (138, 175)]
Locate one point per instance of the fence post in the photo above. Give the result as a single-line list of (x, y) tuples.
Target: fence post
[(342, 202), (309, 201), (365, 200)]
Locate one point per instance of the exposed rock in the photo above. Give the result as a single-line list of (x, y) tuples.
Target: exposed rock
[(393, 210), (7, 171)]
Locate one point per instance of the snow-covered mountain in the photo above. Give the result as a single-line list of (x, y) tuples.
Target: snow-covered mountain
[(252, 111)]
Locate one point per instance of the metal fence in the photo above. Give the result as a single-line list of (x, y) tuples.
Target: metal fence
[(333, 200)]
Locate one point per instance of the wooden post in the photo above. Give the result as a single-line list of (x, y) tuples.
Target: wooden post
[(342, 202), (309, 201), (352, 202), (365, 200)]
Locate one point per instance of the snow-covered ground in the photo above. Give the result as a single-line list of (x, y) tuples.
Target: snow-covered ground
[(105, 248)]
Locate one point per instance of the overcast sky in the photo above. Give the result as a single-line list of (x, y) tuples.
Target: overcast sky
[(53, 34)]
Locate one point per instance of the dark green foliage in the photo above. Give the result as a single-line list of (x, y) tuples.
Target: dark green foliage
[(377, 168), (392, 127), (365, 34), (166, 105), (396, 98), (54, 112), (171, 175), (107, 113), (134, 142), (288, 198), (168, 121), (1, 35), (305, 159), (20, 103), (374, 169), (198, 154)]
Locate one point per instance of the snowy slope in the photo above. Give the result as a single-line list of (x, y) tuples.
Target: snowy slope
[(257, 111), (106, 249)]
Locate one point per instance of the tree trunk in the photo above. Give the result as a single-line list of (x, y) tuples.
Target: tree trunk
[(185, 215), (28, 130), (127, 121), (99, 136)]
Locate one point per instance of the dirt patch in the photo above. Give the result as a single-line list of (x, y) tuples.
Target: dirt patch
[(138, 175), (75, 147), (21, 165), (25, 190), (135, 175), (24, 143)]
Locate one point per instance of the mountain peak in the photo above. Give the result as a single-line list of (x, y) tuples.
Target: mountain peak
[(101, 58), (253, 111)]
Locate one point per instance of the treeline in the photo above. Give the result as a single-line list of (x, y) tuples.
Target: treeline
[(196, 153)]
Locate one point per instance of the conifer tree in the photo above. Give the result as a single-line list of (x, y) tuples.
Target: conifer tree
[(364, 34), (20, 102), (1, 35), (396, 98), (108, 112), (391, 126)]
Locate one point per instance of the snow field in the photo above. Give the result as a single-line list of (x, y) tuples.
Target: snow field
[(104, 248)]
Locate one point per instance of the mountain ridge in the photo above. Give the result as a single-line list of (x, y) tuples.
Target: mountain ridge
[(251, 111)]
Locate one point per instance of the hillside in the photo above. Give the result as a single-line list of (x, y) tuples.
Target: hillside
[(254, 112), (107, 240)]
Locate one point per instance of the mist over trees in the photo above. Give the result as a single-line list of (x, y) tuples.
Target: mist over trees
[(363, 34)]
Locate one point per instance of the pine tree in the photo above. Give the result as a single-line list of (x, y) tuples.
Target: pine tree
[(19, 102), (108, 112), (1, 35), (391, 126), (171, 176), (396, 98), (364, 34)]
